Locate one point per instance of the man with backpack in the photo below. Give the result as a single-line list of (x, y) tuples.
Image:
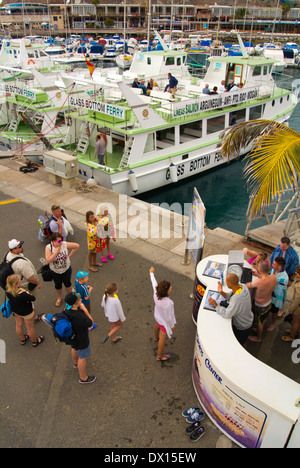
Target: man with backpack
[(56, 223), (22, 265)]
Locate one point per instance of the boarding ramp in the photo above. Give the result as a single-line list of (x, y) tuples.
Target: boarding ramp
[(281, 217)]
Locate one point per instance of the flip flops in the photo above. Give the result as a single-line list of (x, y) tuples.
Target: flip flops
[(165, 357), (117, 339), (104, 339)]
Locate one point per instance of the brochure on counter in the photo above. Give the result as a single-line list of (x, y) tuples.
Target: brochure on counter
[(216, 296), (215, 270)]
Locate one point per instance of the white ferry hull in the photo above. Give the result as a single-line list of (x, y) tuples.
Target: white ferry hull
[(157, 174)]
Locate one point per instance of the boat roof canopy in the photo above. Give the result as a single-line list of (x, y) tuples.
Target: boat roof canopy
[(252, 61)]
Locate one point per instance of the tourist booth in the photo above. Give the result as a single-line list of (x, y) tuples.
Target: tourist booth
[(251, 403)]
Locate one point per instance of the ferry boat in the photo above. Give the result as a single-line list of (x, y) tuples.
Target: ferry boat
[(152, 140)]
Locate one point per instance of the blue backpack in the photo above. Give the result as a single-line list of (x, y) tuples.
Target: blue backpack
[(61, 326)]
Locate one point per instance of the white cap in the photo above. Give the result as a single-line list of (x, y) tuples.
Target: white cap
[(14, 243)]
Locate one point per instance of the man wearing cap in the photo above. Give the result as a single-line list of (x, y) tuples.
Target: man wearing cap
[(57, 222), (23, 266)]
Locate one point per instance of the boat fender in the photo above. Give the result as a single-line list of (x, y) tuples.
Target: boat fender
[(31, 61), (173, 173), (91, 181), (133, 181)]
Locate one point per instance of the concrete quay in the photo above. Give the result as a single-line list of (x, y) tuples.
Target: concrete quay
[(159, 237), (136, 402)]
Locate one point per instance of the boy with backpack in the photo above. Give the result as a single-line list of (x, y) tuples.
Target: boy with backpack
[(81, 321)]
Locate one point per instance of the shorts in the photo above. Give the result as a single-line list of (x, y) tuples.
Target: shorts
[(84, 353), (260, 313), (26, 317), (274, 309), (162, 328), (62, 278), (241, 335)]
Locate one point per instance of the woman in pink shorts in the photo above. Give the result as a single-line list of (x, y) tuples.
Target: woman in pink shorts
[(164, 314)]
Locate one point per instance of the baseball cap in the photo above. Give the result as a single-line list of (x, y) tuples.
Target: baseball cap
[(14, 243), (70, 300), (81, 274)]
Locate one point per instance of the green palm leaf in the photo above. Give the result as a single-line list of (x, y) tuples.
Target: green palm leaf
[(274, 161)]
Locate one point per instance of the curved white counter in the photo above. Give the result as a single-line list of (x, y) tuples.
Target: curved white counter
[(253, 404)]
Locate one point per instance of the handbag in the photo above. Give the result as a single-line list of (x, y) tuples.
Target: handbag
[(6, 308), (46, 273)]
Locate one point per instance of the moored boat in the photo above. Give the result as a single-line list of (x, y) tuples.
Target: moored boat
[(161, 137)]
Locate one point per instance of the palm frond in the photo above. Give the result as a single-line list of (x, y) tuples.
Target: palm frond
[(274, 160), (238, 137)]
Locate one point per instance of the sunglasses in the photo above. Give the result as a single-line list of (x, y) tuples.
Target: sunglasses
[(58, 241)]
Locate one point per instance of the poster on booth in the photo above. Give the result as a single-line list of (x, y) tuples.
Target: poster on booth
[(234, 413)]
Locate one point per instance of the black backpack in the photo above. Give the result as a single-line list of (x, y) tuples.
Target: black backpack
[(6, 270)]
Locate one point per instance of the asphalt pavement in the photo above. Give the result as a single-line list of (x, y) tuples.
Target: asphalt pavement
[(136, 402)]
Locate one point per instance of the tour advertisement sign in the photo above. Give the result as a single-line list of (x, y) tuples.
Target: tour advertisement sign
[(234, 413)]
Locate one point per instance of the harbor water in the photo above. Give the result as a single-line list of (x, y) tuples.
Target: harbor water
[(223, 190)]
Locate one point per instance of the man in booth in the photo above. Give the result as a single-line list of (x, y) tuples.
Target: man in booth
[(237, 305)]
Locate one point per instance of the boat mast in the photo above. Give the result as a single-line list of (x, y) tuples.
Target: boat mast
[(124, 33)]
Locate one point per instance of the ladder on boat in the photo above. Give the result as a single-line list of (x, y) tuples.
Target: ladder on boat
[(84, 138), (126, 152)]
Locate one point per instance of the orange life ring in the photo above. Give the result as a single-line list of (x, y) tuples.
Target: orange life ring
[(31, 61)]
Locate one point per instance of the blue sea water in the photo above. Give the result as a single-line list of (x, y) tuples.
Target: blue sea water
[(223, 190)]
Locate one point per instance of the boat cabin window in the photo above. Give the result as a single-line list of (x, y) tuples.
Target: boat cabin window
[(148, 60), (165, 137), (190, 130), (257, 71), (237, 117), (216, 124), (255, 112), (31, 54), (179, 61), (170, 61), (266, 69)]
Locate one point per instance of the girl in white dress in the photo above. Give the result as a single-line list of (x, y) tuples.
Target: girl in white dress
[(113, 311), (164, 314)]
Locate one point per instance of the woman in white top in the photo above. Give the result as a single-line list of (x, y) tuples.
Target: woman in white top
[(164, 314), (58, 256), (113, 311)]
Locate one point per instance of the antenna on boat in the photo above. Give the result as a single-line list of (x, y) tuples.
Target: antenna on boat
[(243, 49)]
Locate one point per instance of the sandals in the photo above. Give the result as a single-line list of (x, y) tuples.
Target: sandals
[(93, 269), (288, 338), (58, 303), (165, 357), (23, 342), (38, 342), (38, 318), (117, 339)]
